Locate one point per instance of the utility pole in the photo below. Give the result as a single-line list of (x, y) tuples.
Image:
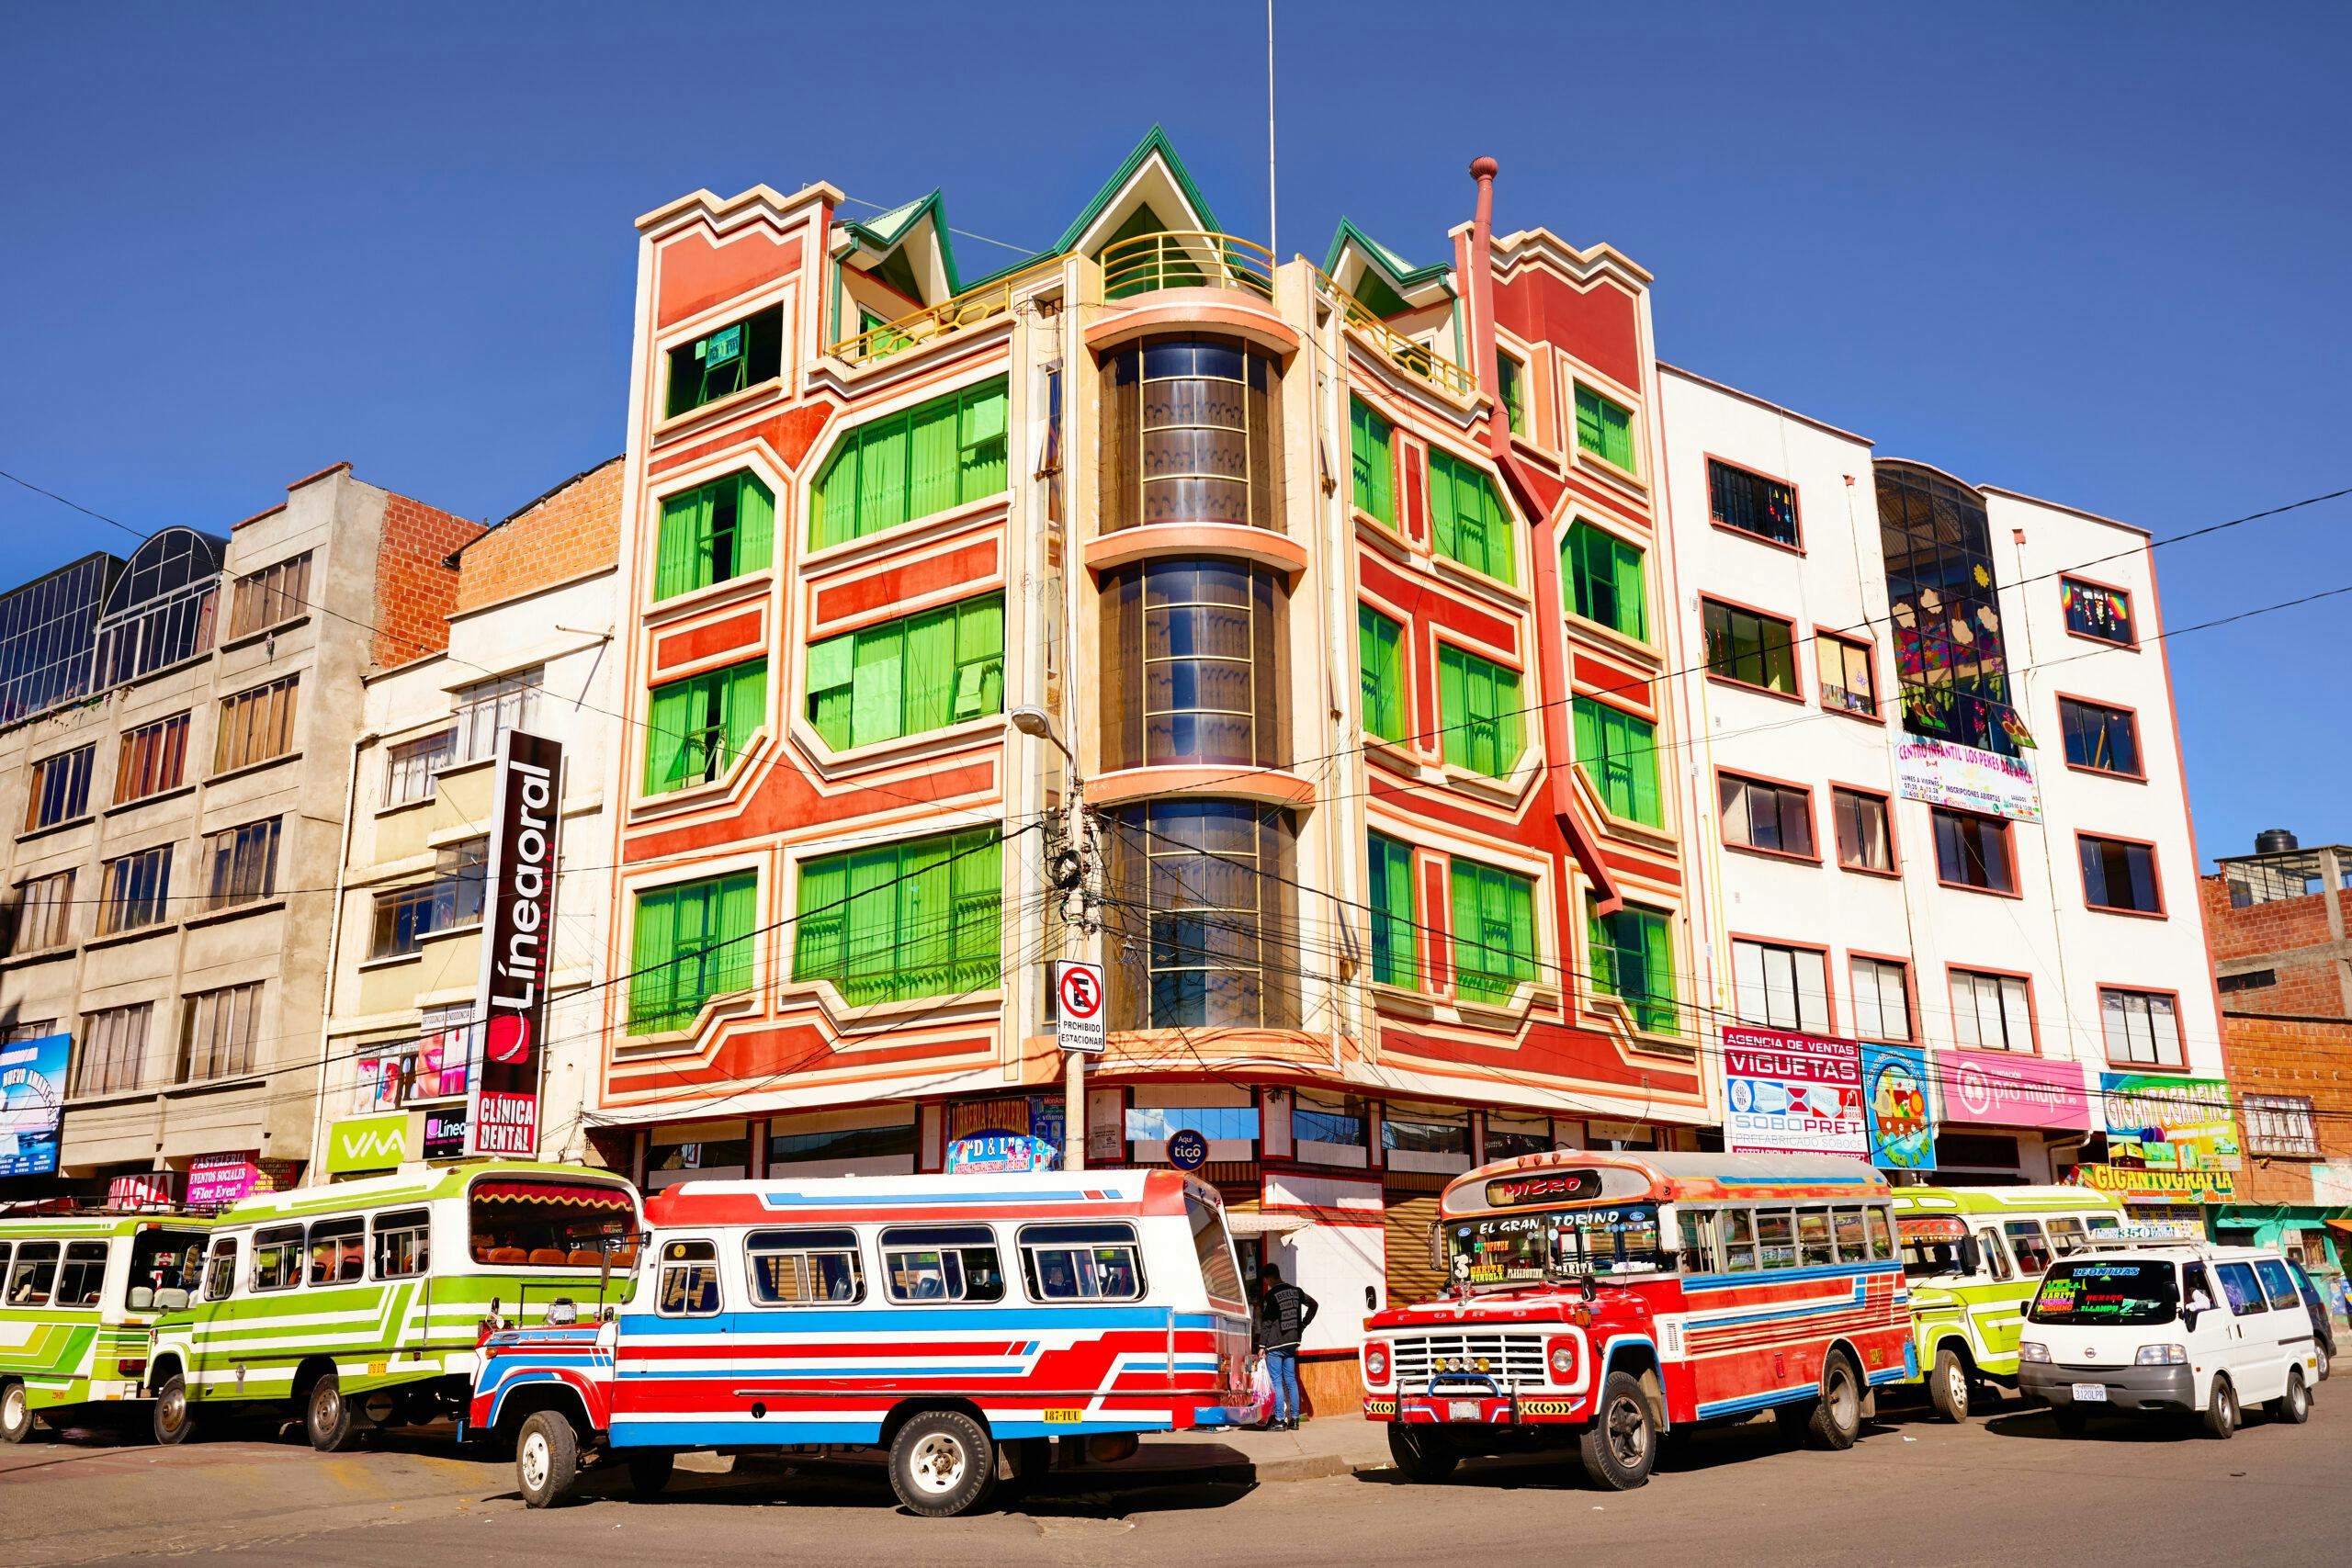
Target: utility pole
[(1077, 922)]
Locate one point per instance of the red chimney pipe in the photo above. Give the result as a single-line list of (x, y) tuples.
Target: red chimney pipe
[(1482, 301)]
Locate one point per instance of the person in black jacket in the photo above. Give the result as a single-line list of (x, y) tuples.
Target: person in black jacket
[(1283, 1313)]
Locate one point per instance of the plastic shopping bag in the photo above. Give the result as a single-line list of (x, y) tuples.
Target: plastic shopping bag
[(1261, 1391)]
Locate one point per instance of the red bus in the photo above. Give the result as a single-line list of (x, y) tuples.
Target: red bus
[(1609, 1302)]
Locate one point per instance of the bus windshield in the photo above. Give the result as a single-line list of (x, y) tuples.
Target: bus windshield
[(2084, 1291), (1553, 1244), (1931, 1246), (549, 1223), (165, 1267)]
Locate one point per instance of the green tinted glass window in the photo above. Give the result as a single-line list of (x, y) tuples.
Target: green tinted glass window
[(919, 919), (909, 675)]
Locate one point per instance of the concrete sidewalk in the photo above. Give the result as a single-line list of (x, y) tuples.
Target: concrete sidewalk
[(1327, 1445)]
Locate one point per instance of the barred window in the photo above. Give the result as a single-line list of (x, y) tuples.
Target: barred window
[(113, 1050), (154, 758), (44, 913), (220, 1029), (489, 708), (410, 766), (240, 864), (276, 593), (61, 789), (138, 890), (2281, 1125), (256, 726)]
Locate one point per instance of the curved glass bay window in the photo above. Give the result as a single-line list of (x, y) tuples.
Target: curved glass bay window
[(1200, 916), (1192, 433), (1945, 603), (1192, 664), (161, 609)]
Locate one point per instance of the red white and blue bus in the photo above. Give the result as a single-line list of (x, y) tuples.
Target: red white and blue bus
[(1608, 1300), (959, 1322)]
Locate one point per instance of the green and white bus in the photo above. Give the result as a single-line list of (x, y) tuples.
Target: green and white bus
[(363, 1302), (77, 1292), (1973, 1256)]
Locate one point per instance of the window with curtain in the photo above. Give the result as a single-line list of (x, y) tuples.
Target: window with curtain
[(743, 354), (2142, 1028), (689, 943), (1192, 433), (222, 1029), (1774, 818), (1479, 707), (487, 709), (239, 866), (1605, 428), (1844, 666), (1781, 988), (1992, 1012), (404, 916), (1973, 850), (1605, 580), (937, 455), (61, 789), (697, 727), (256, 726), (276, 593), (2118, 874), (1632, 958), (909, 675), (410, 767), (1201, 916), (1394, 935), (154, 758), (1194, 660), (1510, 390), (1750, 503), (1618, 752), (712, 533), (1863, 841), (1881, 999), (138, 890), (113, 1050), (2100, 613), (1467, 522), (1380, 658), (920, 918), (2103, 739), (1373, 463), (43, 913), (1753, 650), (1494, 931)]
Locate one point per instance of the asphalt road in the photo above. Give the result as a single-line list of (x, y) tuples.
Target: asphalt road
[(1913, 1492)]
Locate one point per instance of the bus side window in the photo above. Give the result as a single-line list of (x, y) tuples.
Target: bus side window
[(1996, 1255), (2033, 1252), (805, 1268), (1739, 1241), (220, 1270), (1851, 1247), (338, 1250), (1698, 1252), (1776, 1239), (2066, 1234), (689, 1279), (1812, 1236), (277, 1258), (84, 1278), (1882, 1235), (34, 1274), (403, 1249), (2102, 1224), (1081, 1262), (941, 1263)]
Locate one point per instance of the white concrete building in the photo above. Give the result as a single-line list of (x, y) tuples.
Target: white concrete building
[(2030, 946)]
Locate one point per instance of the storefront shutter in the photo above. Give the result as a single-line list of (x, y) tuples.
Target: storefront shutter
[(1410, 1277)]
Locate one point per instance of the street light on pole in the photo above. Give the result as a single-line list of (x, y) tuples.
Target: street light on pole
[(1037, 724)]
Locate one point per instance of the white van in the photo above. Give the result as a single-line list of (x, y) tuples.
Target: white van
[(2155, 1328)]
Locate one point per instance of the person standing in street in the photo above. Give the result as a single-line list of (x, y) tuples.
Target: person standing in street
[(1283, 1313)]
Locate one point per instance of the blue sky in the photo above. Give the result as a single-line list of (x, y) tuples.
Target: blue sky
[(2093, 253)]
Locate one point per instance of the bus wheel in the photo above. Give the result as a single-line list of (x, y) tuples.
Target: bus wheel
[(546, 1459), (650, 1472), (1948, 1385), (1621, 1445), (940, 1463), (15, 1413), (175, 1420), (1421, 1456), (326, 1415), (1837, 1418)]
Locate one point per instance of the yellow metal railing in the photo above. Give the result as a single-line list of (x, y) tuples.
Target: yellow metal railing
[(969, 309), (1415, 357), (1186, 260)]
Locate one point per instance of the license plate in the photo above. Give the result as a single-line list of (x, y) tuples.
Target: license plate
[(1463, 1410), (2090, 1394)]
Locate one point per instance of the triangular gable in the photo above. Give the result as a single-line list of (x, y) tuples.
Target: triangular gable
[(1154, 177), (910, 248), (1381, 278)]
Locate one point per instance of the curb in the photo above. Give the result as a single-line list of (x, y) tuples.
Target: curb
[(1307, 1467)]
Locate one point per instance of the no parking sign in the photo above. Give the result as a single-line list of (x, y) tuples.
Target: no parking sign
[(1077, 1004)]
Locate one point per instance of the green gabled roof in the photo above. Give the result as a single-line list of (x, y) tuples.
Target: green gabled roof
[(1394, 279), (1155, 141), (886, 231)]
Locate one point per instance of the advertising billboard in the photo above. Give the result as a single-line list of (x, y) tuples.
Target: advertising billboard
[(32, 1100), (1997, 1089), (1792, 1094), (1966, 779), (517, 945), (1901, 1110)]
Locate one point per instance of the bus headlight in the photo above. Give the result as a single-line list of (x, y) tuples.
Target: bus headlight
[(2161, 1355), (1376, 1363), (1560, 1358), (2033, 1350)]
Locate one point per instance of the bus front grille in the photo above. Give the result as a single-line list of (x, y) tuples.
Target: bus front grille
[(1508, 1359)]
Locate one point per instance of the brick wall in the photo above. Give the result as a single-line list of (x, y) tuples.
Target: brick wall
[(2287, 936), (415, 589), (2311, 1057), (569, 533)]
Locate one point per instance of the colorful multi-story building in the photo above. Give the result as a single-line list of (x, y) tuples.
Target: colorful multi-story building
[(1279, 550)]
